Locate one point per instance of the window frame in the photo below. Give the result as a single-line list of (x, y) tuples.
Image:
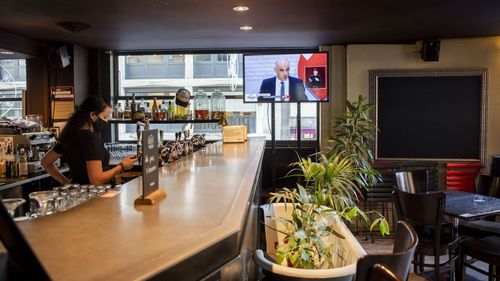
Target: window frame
[(299, 142)]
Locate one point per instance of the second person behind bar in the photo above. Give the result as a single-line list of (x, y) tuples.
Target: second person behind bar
[(81, 144)]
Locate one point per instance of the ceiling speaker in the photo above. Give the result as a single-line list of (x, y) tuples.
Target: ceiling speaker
[(58, 57), (430, 50)]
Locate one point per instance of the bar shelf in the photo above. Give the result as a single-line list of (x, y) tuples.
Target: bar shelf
[(177, 121)]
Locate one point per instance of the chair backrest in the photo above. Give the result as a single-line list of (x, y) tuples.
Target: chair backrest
[(495, 187), (419, 208), (414, 181), (382, 273), (399, 262), (20, 253), (483, 184)]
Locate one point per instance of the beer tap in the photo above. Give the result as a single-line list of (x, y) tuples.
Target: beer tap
[(141, 126)]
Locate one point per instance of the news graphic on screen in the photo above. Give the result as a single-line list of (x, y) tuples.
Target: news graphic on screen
[(285, 77)]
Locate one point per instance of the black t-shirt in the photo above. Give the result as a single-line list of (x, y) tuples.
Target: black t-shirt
[(86, 145)]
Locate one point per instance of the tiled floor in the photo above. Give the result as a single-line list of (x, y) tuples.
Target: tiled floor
[(384, 245)]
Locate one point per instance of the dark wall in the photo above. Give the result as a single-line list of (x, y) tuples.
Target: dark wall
[(81, 70), (100, 73), (276, 165), (37, 101)]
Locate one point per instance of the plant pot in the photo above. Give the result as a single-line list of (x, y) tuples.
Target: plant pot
[(344, 269)]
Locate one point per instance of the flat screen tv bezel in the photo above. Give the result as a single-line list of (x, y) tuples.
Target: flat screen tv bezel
[(289, 53)]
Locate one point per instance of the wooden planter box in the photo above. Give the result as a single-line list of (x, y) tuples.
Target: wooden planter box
[(345, 269)]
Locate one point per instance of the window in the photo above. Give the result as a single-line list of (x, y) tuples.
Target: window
[(156, 59), (226, 78), (135, 59), (222, 57), (176, 58), (202, 58), (12, 84)]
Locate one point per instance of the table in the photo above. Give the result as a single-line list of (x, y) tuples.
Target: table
[(468, 206)]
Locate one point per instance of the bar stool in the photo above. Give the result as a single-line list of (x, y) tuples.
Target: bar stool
[(485, 249)]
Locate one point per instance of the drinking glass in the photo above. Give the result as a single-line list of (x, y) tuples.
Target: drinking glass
[(42, 202), (12, 203)]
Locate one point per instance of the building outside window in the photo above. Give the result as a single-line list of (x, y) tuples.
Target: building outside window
[(206, 72), (12, 84)]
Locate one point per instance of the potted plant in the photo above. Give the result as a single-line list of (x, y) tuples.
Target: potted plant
[(306, 237)]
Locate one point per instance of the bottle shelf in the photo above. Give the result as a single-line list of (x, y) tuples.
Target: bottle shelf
[(176, 121)]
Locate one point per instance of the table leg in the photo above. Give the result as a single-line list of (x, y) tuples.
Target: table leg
[(456, 222)]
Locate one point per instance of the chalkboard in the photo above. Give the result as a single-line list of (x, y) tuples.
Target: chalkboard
[(436, 114), (149, 162)]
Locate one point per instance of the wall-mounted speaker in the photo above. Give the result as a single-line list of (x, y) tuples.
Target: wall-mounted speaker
[(58, 57), (430, 50)]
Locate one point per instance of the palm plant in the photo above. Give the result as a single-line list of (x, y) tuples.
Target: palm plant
[(354, 136), (331, 186)]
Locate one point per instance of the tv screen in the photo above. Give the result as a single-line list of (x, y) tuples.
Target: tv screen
[(285, 77)]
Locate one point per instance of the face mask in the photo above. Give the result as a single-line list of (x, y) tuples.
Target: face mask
[(99, 125)]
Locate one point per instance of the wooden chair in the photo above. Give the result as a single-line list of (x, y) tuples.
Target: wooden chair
[(382, 273), (399, 262), (425, 212), (413, 181), (485, 249)]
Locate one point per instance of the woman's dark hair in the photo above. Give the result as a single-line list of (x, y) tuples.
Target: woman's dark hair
[(82, 117)]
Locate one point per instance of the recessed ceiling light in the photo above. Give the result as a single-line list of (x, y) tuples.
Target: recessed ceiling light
[(246, 27), (6, 53), (241, 8)]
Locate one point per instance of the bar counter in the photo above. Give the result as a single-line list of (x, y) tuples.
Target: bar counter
[(198, 228)]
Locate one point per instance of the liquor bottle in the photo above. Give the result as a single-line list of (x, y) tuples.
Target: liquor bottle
[(133, 108), (114, 114), (2, 162), (8, 161), (126, 111), (14, 171), (170, 111), (142, 107), (146, 110), (160, 115), (163, 110), (154, 110), (120, 111), (23, 163)]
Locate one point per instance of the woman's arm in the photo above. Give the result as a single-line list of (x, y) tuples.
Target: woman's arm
[(97, 176), (48, 164)]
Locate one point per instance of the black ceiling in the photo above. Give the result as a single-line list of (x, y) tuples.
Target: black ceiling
[(212, 24)]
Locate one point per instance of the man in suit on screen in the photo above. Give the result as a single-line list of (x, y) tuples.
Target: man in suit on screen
[(282, 87)]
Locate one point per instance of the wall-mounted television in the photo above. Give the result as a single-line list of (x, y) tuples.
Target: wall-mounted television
[(285, 77)]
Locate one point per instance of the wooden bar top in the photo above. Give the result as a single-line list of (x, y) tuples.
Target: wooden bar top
[(208, 193)]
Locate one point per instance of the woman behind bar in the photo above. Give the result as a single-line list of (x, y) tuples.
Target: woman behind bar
[(82, 147)]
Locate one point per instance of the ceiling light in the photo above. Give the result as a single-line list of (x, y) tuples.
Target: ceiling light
[(246, 27), (6, 53), (241, 8)]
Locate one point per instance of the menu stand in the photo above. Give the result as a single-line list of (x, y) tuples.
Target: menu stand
[(152, 198), (151, 193)]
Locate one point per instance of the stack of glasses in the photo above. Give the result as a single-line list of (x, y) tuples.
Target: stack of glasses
[(62, 198)]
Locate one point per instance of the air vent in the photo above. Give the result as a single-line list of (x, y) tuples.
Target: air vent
[(74, 27)]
